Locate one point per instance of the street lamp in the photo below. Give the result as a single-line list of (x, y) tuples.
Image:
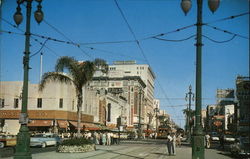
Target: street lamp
[(189, 97), (23, 137), (198, 136)]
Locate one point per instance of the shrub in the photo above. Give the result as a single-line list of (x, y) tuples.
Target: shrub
[(76, 142)]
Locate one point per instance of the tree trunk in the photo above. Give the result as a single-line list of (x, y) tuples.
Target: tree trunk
[(79, 114)]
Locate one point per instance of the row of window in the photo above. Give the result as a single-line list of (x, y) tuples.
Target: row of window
[(39, 103)]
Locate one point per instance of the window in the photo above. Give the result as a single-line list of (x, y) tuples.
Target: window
[(73, 102), (60, 103), (1, 102), (39, 102), (16, 102)]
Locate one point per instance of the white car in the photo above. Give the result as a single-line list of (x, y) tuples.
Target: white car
[(229, 138), (43, 140), (215, 138)]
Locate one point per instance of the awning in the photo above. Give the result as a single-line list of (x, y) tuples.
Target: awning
[(85, 126), (62, 124), (40, 123), (90, 126), (130, 128), (111, 126), (74, 123)]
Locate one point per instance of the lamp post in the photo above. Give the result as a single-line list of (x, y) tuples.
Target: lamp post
[(198, 136), (23, 137), (189, 97)]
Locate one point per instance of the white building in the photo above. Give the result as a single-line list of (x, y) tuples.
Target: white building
[(229, 110), (131, 69), (54, 109)]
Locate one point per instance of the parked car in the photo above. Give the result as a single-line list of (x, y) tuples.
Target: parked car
[(43, 140), (7, 140), (241, 146), (215, 137), (229, 138)]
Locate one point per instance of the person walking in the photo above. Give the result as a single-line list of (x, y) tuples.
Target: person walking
[(173, 143), (207, 141), (104, 138), (96, 138), (169, 140), (108, 138), (178, 140)]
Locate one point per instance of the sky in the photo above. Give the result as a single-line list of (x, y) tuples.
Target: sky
[(92, 23)]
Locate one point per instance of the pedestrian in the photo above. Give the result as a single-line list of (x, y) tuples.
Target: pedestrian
[(173, 144), (104, 139), (169, 140), (178, 140), (96, 138), (207, 140), (108, 138)]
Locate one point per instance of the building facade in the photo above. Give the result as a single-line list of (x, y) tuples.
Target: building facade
[(130, 68), (243, 104)]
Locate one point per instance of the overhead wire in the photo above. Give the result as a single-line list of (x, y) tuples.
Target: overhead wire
[(39, 49), (61, 33), (228, 18), (225, 41), (225, 31), (110, 52), (23, 33), (179, 40), (138, 44)]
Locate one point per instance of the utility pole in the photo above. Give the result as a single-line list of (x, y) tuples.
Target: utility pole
[(23, 137), (198, 150), (189, 97)]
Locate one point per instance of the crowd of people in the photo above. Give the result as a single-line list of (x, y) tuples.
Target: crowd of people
[(102, 138)]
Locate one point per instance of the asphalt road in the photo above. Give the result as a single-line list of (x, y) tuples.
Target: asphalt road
[(128, 149), (9, 151)]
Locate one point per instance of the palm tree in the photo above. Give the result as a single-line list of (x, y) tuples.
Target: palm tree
[(78, 74)]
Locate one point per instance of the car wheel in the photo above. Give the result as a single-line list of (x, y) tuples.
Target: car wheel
[(43, 145), (1, 145)]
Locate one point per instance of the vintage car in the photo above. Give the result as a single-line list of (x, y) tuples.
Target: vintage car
[(7, 140), (214, 136), (229, 138), (43, 140), (241, 146)]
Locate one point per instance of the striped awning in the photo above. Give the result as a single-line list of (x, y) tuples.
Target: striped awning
[(62, 124), (34, 123), (90, 126)]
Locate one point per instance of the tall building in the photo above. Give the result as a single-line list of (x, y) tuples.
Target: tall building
[(131, 68), (243, 106), (129, 88)]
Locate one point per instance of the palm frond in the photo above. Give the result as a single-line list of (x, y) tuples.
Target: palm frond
[(66, 62), (54, 76), (101, 65)]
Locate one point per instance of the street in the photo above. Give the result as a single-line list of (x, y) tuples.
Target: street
[(129, 149)]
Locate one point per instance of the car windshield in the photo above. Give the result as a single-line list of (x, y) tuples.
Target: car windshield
[(228, 136), (39, 135)]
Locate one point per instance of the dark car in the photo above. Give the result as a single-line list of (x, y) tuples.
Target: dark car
[(241, 146)]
